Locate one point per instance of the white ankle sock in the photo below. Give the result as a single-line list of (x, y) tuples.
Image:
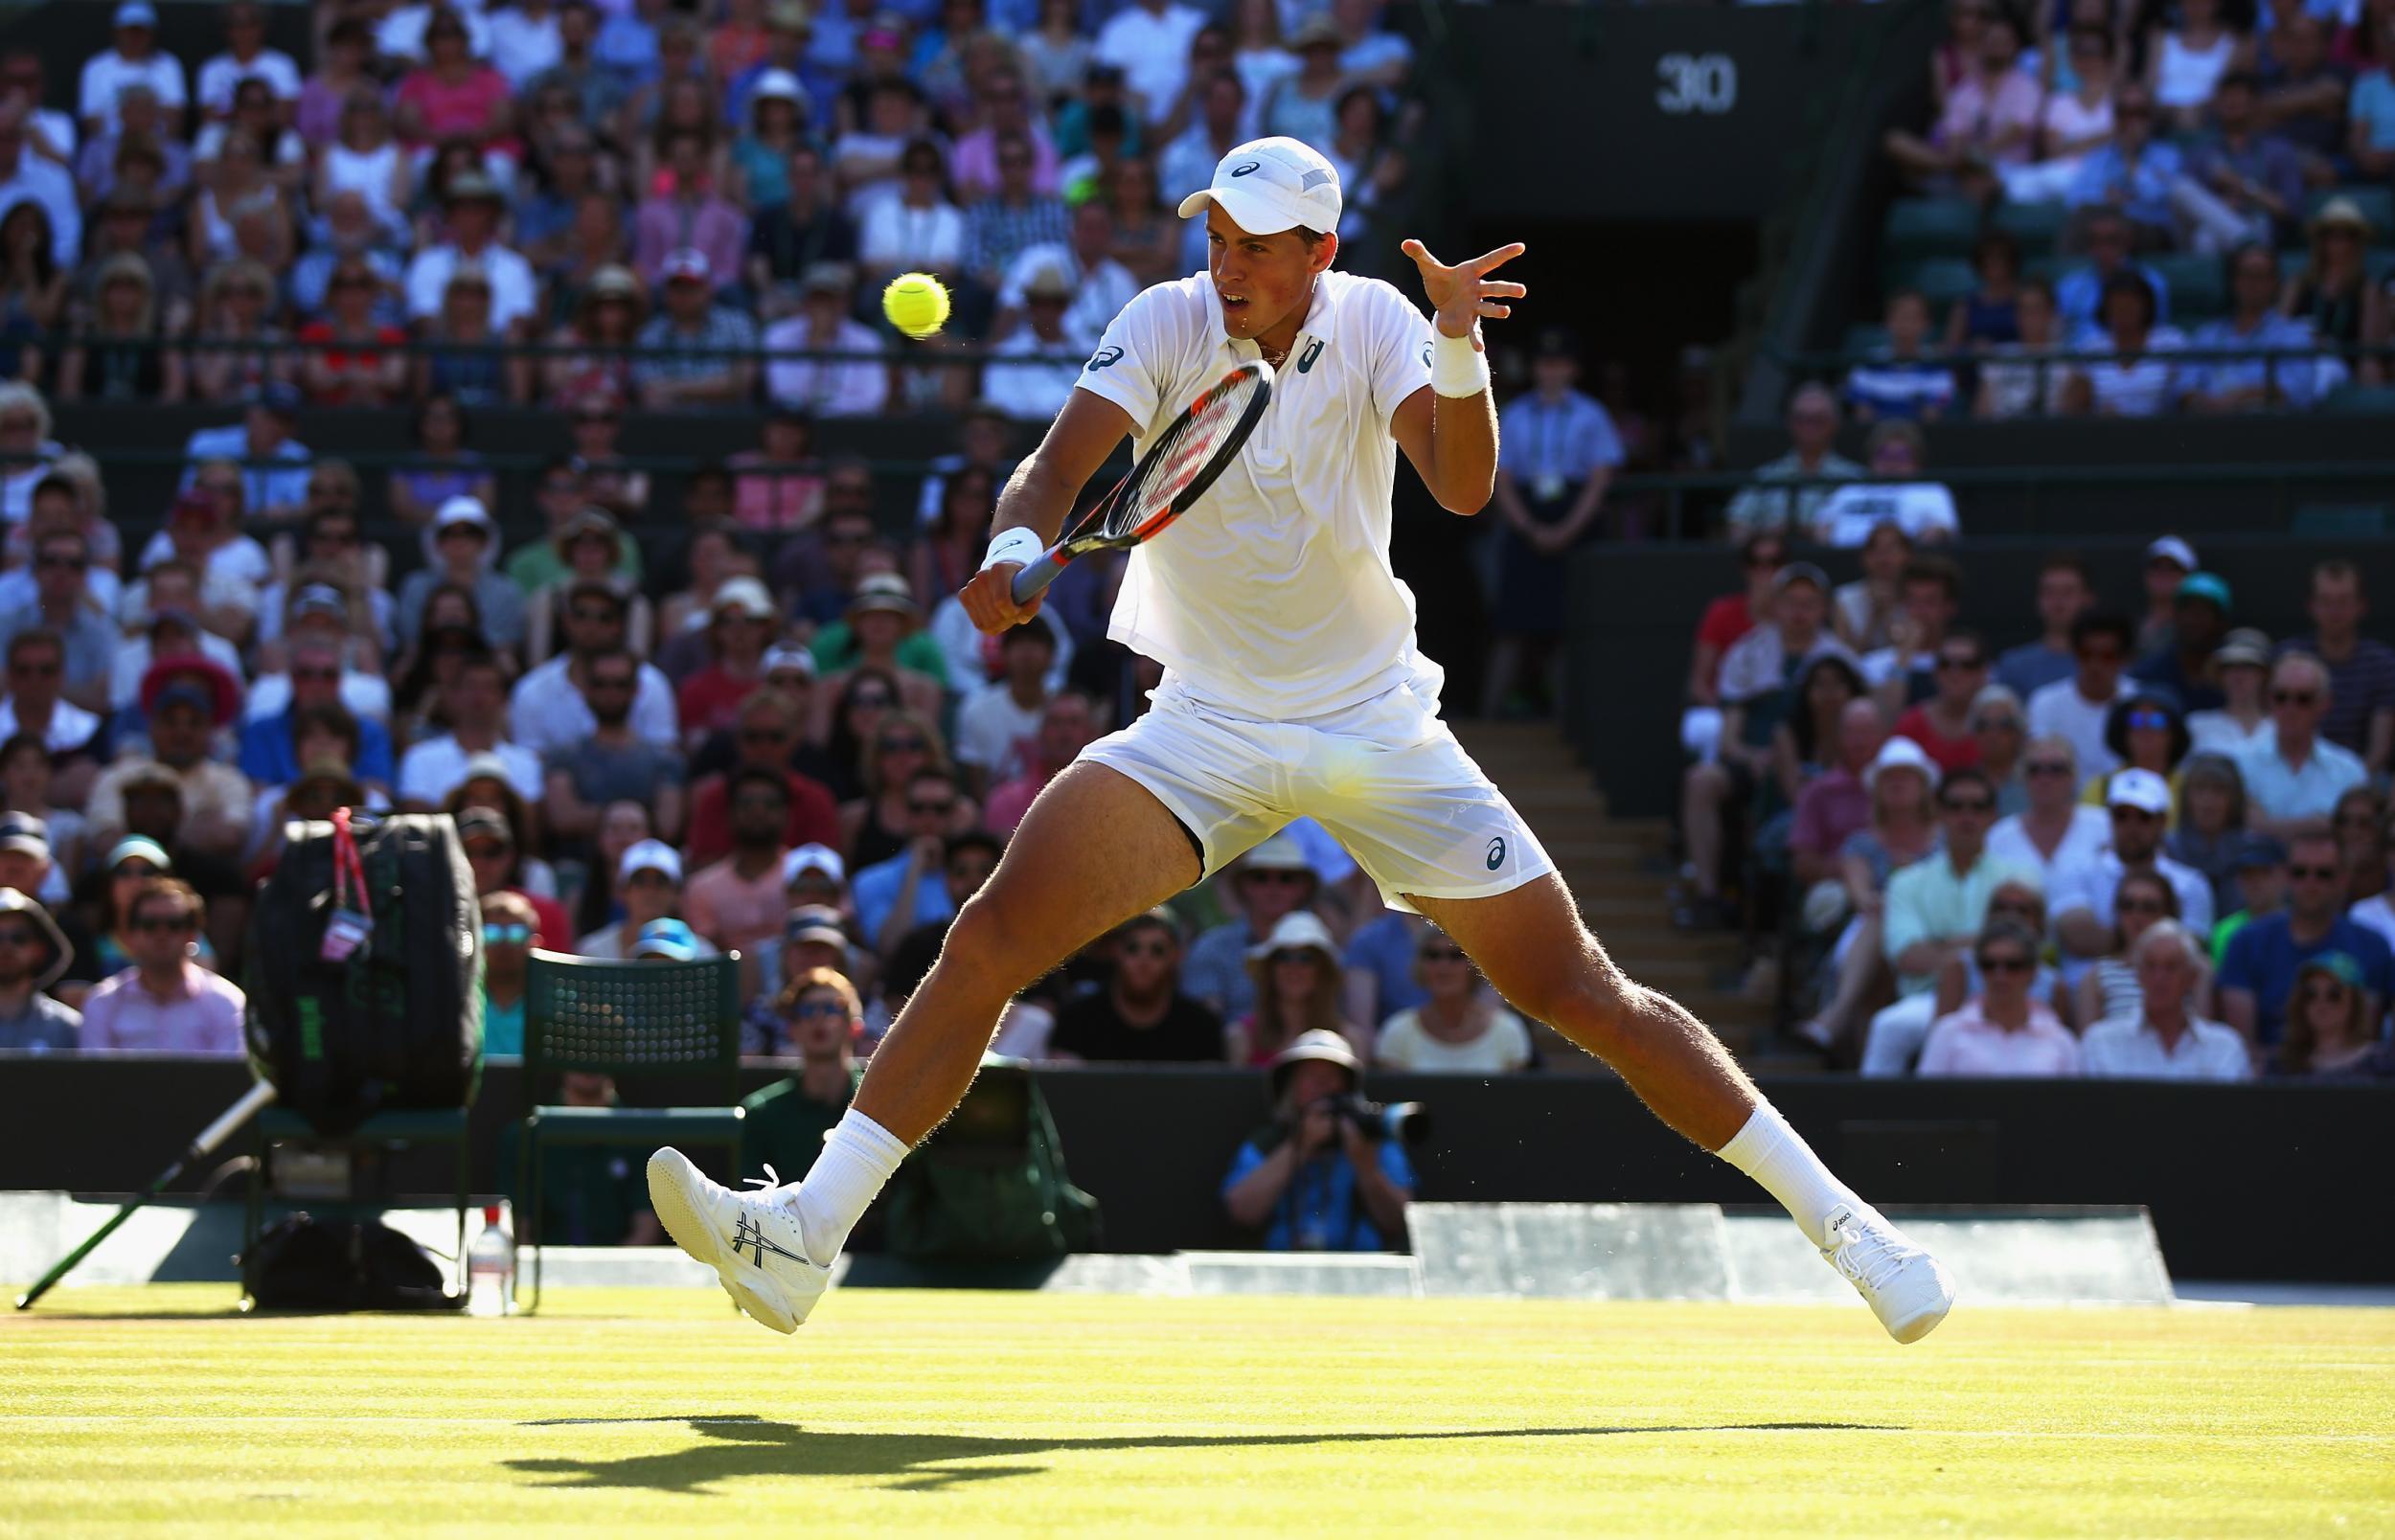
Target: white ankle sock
[(858, 1155), (1773, 1153)]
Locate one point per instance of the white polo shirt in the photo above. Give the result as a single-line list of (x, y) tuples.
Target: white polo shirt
[(1273, 598)]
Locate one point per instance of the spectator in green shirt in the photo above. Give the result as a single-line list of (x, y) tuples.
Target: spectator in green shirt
[(822, 1019)]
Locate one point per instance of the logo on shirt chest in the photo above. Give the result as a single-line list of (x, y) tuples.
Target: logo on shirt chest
[(1306, 359)]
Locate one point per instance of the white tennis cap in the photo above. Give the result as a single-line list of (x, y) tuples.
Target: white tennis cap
[(1270, 184)]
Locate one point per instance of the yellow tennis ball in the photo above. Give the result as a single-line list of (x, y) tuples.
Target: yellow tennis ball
[(917, 304)]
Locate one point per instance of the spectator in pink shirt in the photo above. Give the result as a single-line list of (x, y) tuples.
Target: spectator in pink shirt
[(1990, 118), (1066, 726), (2004, 1031), (686, 210), (1836, 804), (166, 1003), (455, 96)]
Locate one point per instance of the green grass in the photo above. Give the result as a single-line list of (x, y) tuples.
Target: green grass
[(150, 1411)]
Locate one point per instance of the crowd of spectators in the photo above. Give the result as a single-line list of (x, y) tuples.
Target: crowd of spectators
[(2218, 174), (694, 180), (2152, 844)]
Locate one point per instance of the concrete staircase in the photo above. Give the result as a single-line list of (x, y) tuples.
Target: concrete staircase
[(1620, 870)]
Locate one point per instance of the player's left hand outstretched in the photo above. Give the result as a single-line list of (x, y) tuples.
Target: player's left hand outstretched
[(1461, 295)]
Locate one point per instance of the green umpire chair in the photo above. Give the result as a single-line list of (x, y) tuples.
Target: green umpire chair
[(676, 1023), (384, 1131)]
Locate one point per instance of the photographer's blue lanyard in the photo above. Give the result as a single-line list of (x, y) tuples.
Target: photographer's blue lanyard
[(1306, 1231)]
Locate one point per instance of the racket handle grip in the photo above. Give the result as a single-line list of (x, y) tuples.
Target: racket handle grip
[(1031, 580)]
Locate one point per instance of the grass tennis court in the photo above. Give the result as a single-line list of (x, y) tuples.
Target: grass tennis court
[(641, 1412)]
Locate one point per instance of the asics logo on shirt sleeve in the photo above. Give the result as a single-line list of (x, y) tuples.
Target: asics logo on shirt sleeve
[(1497, 853), (1425, 353), (1106, 358)]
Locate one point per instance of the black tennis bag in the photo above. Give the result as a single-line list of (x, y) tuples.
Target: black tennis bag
[(306, 1264), (392, 1021)]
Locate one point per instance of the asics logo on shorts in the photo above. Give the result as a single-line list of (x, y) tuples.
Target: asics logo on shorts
[(1497, 853), (1106, 358)]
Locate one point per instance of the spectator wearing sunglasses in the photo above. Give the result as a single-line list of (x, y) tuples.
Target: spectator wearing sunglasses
[(2294, 780), (2083, 895), (509, 931), (2145, 730), (2004, 1031), (1461, 1028), (1141, 1017), (2164, 1038), (61, 562), (2259, 969), (1269, 881), (822, 1018), (166, 1003), (34, 955), (765, 736), (2331, 1033)]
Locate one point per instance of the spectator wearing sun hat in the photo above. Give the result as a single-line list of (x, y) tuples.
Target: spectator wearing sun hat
[(470, 209), (1269, 881), (2241, 667), (1310, 1181), (883, 629)]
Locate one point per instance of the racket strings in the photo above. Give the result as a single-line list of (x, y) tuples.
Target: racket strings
[(1188, 447)]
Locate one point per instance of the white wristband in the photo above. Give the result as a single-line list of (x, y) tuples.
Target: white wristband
[(1457, 367), (1021, 545)]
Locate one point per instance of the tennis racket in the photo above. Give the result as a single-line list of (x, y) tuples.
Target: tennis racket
[(1187, 457)]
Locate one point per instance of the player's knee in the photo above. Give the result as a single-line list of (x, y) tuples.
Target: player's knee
[(986, 942), (1596, 1001)]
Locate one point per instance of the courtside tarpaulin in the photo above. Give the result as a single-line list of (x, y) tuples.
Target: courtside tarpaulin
[(365, 970)]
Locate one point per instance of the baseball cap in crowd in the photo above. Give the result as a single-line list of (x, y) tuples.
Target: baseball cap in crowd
[(25, 832), (689, 263), (1800, 572), (319, 599), (744, 594), (813, 923), (462, 510), (2171, 547), (484, 824), (2337, 966), (810, 857), (2243, 645), (883, 591), (2256, 851), (669, 939), (2140, 789), (2210, 587), (1280, 854), (777, 659), (486, 766), (1899, 754), (138, 847), (826, 278), (1050, 281), (1270, 184), (136, 14), (650, 856), (1315, 30)]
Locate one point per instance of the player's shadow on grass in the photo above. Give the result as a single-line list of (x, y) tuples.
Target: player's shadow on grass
[(749, 1446)]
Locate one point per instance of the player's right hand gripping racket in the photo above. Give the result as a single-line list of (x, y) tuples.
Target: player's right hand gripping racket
[(1188, 455)]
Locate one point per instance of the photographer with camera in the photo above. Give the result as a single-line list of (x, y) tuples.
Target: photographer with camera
[(1325, 1175)]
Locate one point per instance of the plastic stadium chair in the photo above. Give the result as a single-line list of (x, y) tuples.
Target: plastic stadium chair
[(2038, 226), (1943, 279), (2197, 283), (2338, 521), (664, 1020), (383, 1131), (1921, 228), (2376, 203)]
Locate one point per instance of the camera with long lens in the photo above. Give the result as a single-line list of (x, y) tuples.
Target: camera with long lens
[(1408, 1122)]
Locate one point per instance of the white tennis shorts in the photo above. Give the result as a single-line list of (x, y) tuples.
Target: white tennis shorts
[(1386, 776)]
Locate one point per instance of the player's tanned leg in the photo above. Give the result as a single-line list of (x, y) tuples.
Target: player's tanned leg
[(1532, 946), (1095, 850)]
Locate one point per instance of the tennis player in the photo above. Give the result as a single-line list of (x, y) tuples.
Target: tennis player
[(1291, 689)]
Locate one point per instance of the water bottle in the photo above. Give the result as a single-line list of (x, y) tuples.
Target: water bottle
[(491, 1268)]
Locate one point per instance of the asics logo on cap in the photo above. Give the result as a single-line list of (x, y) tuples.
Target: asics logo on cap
[(1244, 166)]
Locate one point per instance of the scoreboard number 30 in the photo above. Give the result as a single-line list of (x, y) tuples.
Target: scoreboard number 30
[(1696, 83)]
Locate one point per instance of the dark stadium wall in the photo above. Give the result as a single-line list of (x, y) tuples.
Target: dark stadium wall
[(1634, 616), (1152, 1145)]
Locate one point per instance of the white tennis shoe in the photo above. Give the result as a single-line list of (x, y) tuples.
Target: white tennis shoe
[(750, 1238), (1904, 1286)]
